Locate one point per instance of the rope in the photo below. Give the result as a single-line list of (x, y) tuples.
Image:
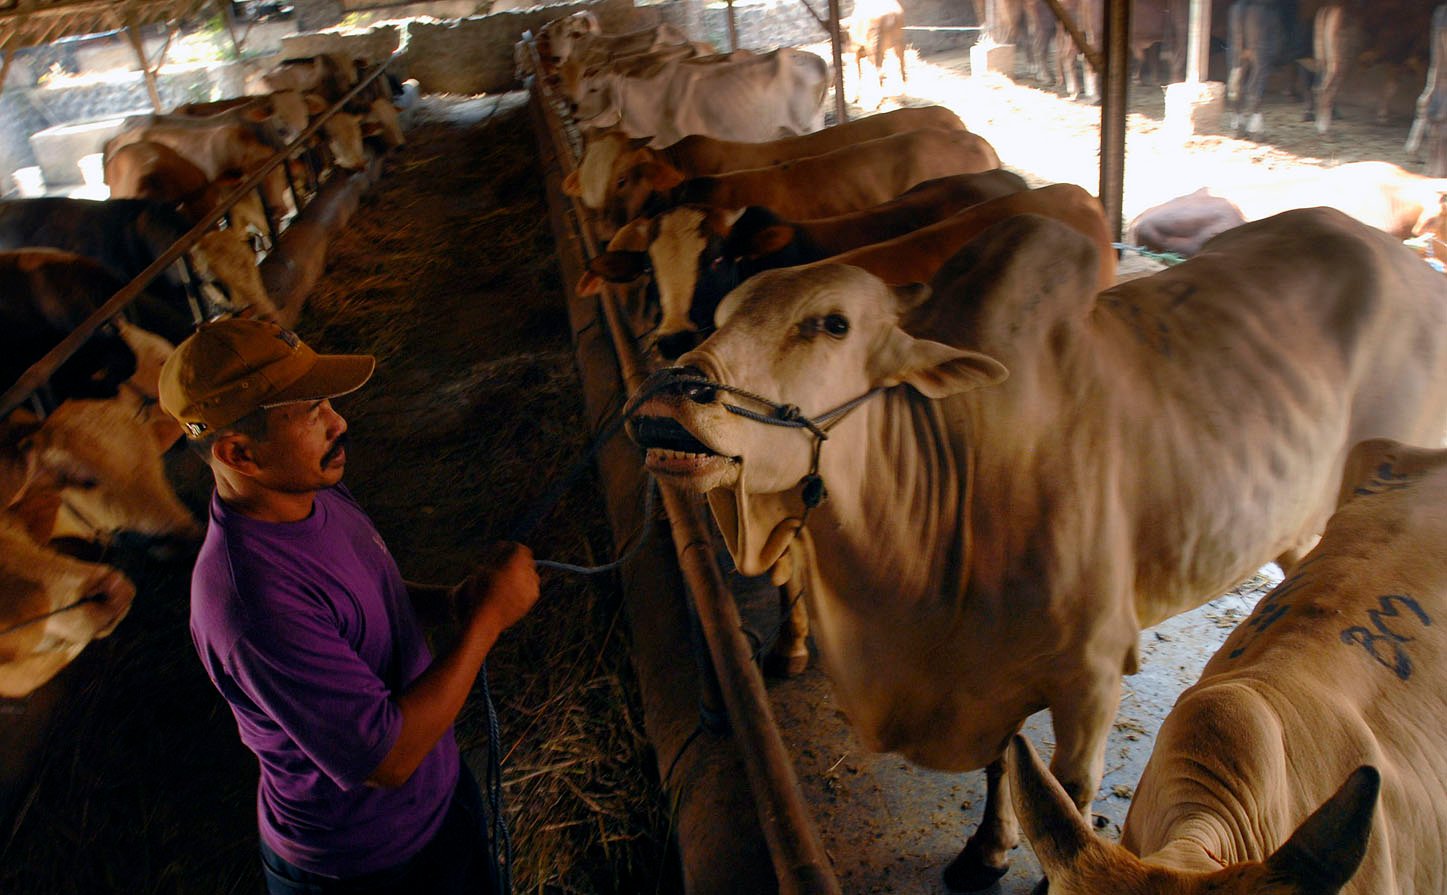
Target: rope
[(93, 598), (1168, 258)]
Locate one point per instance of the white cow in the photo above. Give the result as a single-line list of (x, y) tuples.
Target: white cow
[(1308, 757), (1035, 472), (756, 97)]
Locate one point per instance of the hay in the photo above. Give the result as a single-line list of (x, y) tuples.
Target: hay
[(447, 274), (475, 410)]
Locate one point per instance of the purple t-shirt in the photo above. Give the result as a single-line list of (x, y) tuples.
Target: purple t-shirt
[(307, 630)]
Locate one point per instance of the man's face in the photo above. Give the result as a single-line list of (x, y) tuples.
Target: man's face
[(304, 448)]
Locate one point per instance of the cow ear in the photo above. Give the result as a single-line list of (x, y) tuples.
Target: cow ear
[(1326, 850), (1050, 819), (634, 236), (662, 175), (720, 221), (165, 431), (619, 267), (315, 105), (572, 184), (910, 296), (257, 113), (934, 369), (589, 283), (771, 239)]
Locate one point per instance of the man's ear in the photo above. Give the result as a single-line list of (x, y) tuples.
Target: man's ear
[(233, 450)]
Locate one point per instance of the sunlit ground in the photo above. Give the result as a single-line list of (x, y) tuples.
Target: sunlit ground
[(1040, 135)]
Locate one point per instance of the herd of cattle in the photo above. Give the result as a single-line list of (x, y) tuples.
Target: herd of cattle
[(85, 458), (1008, 473), (1319, 44)]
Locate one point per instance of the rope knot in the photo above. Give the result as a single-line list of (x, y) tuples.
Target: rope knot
[(789, 413)]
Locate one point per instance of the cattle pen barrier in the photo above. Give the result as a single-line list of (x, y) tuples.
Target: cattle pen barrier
[(39, 373), (720, 852)]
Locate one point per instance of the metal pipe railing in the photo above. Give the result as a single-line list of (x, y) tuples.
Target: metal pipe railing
[(801, 865), (40, 372)]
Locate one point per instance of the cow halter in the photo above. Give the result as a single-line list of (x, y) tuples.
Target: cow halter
[(702, 389)]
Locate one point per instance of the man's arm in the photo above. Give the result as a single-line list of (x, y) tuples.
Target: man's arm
[(500, 593)]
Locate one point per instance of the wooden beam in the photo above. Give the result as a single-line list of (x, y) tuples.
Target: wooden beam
[(836, 44), (1113, 111), (140, 47), (5, 67), (1198, 52), (733, 26)]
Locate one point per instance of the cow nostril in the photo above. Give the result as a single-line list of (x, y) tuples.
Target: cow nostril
[(700, 394)]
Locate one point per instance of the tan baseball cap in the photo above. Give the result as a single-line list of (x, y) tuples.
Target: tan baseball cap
[(236, 366)]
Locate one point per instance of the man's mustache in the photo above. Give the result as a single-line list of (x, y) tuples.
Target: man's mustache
[(337, 447)]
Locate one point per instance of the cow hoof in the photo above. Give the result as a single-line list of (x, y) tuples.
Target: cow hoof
[(786, 666), (970, 873)]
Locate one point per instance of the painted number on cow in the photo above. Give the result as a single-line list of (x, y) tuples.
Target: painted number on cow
[(1271, 610), (1381, 641)]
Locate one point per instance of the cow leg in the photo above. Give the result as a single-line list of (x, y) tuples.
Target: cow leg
[(790, 653), (1081, 724), (983, 860)]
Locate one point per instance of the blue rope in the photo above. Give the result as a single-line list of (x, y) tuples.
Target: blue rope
[(1168, 258)]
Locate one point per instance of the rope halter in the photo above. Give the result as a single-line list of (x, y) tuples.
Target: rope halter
[(688, 382)]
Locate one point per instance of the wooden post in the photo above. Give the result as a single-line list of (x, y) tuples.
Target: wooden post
[(836, 44), (228, 15), (140, 47), (1113, 111), (9, 57), (733, 26), (1198, 52)]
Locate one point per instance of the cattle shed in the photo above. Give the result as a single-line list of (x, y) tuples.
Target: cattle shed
[(642, 747)]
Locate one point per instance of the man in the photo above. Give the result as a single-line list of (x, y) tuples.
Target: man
[(306, 627)]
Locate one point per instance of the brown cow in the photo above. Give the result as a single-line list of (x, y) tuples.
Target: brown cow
[(848, 179), (1306, 759), (875, 28), (690, 284), (1352, 34), (617, 168)]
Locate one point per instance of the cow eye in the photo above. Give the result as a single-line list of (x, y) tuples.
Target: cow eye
[(622, 182), (836, 325)]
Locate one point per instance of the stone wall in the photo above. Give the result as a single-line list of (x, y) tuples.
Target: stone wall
[(475, 55), (26, 110), (766, 24)]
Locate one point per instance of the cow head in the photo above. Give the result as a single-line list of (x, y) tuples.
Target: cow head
[(1318, 859), (344, 138), (600, 101), (813, 337), (106, 458), (556, 38), (683, 249), (34, 581)]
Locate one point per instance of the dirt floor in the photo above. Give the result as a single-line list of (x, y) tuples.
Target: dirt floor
[(447, 274)]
